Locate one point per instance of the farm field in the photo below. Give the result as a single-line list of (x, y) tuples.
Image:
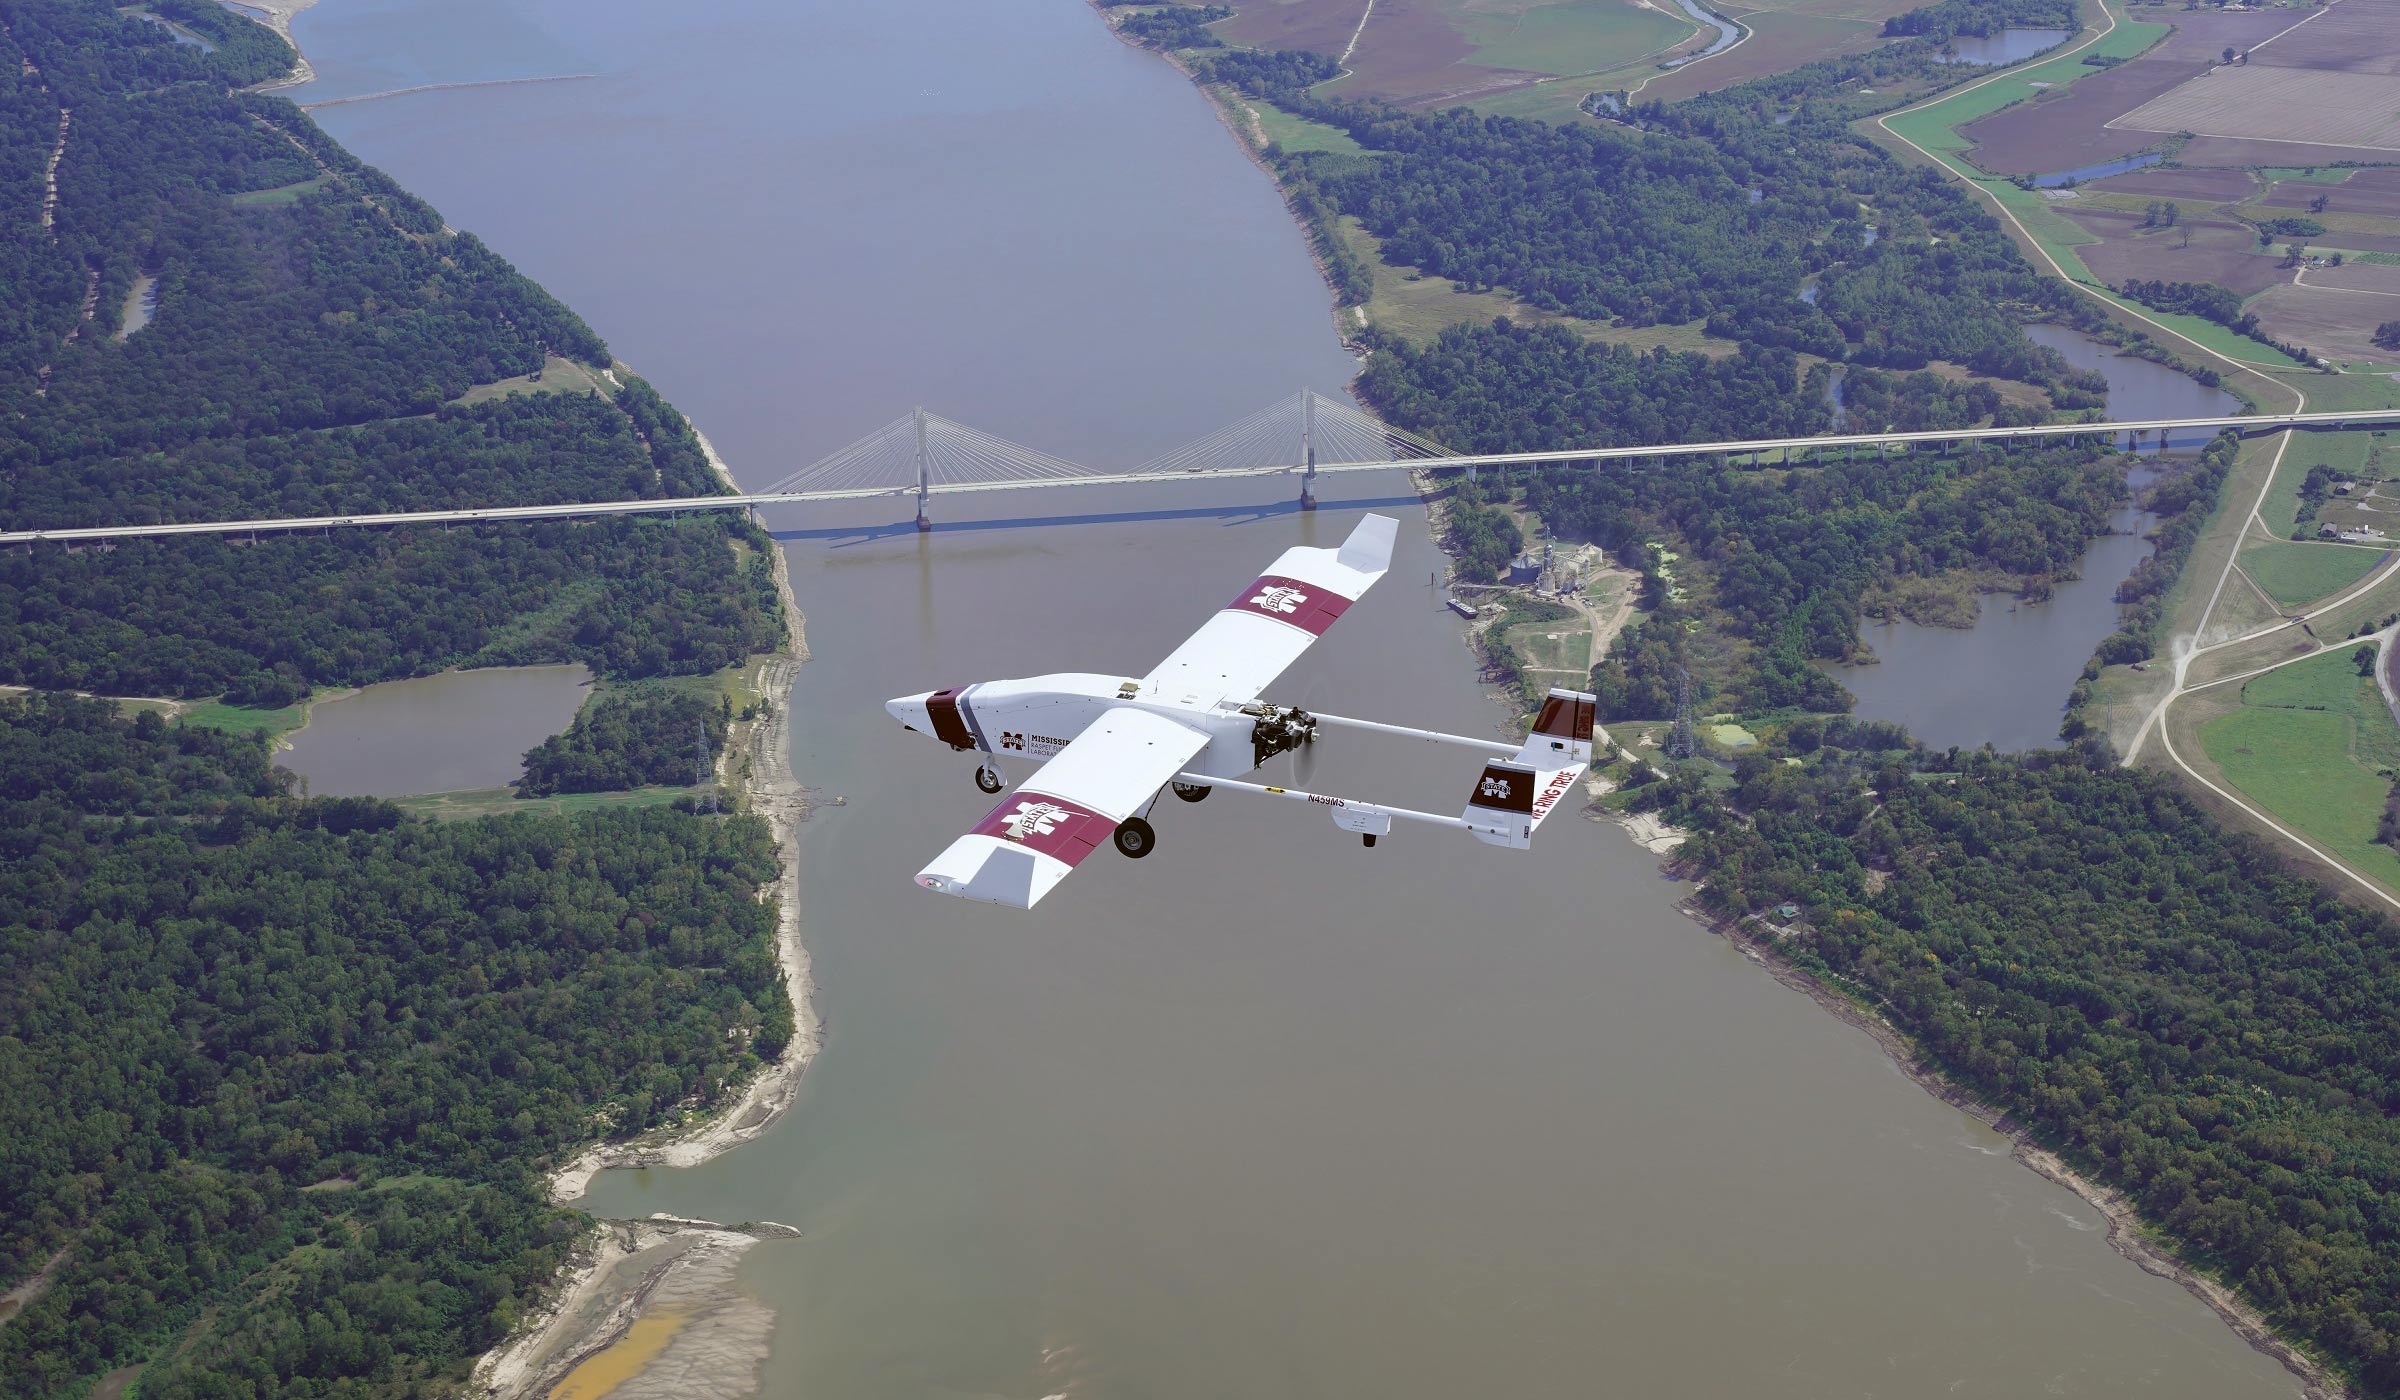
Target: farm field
[(2066, 127), (2311, 743), (2211, 186), (1438, 52), (2337, 323), (2323, 90), (2296, 574), (2355, 115), (2216, 251), (2371, 192)]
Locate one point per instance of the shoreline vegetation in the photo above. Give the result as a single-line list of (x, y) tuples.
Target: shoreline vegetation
[(442, 1206), (630, 1270), (2127, 1233)]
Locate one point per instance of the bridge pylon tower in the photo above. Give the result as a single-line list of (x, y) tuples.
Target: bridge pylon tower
[(924, 472), (1308, 450)]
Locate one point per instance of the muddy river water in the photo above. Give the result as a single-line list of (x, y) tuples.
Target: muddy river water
[(1266, 1114)]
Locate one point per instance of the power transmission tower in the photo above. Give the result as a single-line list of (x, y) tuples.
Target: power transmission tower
[(704, 770), (1680, 743)]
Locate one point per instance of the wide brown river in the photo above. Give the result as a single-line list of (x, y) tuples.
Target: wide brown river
[(1266, 1114)]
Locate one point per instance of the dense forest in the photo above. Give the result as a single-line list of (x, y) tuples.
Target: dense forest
[(1714, 210), (314, 325), (629, 741), (283, 1074), (2151, 993)]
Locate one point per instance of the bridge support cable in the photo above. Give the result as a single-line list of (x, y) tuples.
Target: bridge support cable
[(924, 453), (1327, 429)]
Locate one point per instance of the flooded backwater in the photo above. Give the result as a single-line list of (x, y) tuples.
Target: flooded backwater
[(1267, 1113), (445, 733), (2005, 681)]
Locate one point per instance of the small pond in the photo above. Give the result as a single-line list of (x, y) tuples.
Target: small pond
[(445, 733), (2006, 47), (2101, 171)]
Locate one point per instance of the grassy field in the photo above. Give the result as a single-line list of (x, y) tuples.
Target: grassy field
[(2314, 744), (1296, 134), (1557, 102), (243, 719), (2345, 453), (1583, 37), (283, 194), (2315, 174), (1419, 307), (500, 801), (2331, 393), (2294, 574), (558, 377)]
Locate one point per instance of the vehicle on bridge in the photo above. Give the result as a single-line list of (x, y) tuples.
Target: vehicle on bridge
[(1114, 745)]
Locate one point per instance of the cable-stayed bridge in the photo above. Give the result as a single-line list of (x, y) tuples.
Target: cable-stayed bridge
[(1307, 435)]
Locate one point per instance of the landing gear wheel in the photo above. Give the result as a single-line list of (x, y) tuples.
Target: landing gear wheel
[(1191, 792), (1135, 839), (988, 780)]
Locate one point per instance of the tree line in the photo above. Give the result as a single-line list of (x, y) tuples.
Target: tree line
[(287, 1072), (2154, 996)]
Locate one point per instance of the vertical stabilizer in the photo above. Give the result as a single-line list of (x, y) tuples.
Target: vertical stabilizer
[(1512, 796)]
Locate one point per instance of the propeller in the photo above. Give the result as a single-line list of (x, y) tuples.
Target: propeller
[(1304, 761)]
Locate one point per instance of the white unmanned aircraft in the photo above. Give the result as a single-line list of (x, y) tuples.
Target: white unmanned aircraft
[(1114, 745)]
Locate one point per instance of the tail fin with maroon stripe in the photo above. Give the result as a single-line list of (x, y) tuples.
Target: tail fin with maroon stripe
[(1512, 796)]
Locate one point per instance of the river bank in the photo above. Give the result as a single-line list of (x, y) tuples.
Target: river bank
[(2125, 1231), (277, 15), (677, 1277)]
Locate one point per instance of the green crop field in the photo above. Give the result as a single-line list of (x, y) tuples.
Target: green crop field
[(1296, 134), (243, 719), (283, 194), (2345, 453), (1584, 36), (2314, 744), (2294, 574)]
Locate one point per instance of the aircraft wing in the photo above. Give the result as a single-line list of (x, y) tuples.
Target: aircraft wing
[(1241, 650), (1026, 845)]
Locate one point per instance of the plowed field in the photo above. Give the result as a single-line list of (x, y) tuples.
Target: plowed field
[(2315, 107), (2070, 131)]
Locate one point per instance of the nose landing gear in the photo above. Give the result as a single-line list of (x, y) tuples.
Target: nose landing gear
[(988, 778)]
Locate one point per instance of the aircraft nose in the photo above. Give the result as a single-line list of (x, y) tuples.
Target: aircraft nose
[(909, 710)]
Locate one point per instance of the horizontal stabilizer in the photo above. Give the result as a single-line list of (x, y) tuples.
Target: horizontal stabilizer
[(1369, 548)]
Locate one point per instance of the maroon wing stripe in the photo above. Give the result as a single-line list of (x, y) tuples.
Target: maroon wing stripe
[(1054, 826), (1310, 607)]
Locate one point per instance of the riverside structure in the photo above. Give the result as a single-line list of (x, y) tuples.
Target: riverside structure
[(952, 459)]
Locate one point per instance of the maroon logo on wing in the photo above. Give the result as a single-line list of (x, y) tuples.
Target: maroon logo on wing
[(1310, 607), (1054, 826)]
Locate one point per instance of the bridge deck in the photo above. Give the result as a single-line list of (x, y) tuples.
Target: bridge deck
[(1593, 455)]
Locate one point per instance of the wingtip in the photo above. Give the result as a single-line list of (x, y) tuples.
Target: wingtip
[(1369, 548)]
